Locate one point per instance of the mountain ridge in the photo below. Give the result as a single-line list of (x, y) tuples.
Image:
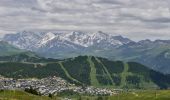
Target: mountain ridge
[(66, 45), (7, 49), (26, 39)]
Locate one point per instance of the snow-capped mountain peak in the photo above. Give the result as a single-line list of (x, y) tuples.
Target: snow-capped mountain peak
[(47, 37), (45, 40)]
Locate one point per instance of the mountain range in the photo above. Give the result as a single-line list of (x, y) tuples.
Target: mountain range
[(155, 54)]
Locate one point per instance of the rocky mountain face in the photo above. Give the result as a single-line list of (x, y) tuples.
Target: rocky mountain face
[(66, 45)]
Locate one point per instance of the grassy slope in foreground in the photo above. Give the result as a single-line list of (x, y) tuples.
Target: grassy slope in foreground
[(143, 95), (134, 95), (21, 95)]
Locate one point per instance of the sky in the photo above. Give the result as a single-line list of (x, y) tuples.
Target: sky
[(136, 19)]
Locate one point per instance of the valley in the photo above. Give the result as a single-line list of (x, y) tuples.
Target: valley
[(84, 49), (90, 62)]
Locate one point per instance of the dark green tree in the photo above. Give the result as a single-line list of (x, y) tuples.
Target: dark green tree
[(50, 95)]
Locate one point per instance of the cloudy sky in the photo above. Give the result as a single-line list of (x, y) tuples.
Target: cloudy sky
[(137, 19)]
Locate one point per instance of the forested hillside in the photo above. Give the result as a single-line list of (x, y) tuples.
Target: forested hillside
[(88, 70)]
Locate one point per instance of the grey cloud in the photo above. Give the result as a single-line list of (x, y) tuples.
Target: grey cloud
[(132, 18)]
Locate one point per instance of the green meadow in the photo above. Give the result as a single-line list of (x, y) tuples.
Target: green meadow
[(132, 95)]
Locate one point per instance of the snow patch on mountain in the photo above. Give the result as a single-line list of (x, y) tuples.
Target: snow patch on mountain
[(46, 38)]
